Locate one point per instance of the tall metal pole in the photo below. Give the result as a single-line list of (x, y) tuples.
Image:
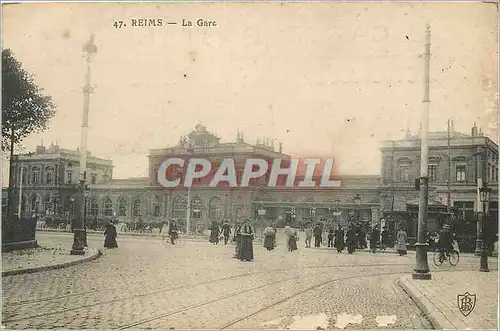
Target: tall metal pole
[(188, 210), (449, 172), (479, 185), (80, 234), (19, 207), (421, 265)]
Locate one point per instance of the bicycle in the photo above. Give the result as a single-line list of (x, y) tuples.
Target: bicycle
[(452, 256)]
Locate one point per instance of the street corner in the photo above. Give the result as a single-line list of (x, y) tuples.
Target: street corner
[(43, 258)]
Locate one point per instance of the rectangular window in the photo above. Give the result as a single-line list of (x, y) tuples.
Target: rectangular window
[(460, 173), (496, 175), (432, 169), (49, 177), (36, 177), (465, 210), (69, 176), (94, 179), (403, 174), (157, 210)]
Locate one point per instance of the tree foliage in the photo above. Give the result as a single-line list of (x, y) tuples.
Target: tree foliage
[(25, 110)]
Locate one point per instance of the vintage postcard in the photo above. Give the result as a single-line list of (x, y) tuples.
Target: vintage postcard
[(257, 165)]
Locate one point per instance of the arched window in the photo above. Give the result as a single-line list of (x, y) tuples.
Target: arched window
[(179, 207), (122, 207), (49, 175), (136, 208), (108, 207), (47, 205), (214, 208), (34, 204), (94, 208), (196, 208), (35, 173)]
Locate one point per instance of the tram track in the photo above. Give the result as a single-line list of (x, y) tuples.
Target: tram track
[(220, 298), (166, 290), (44, 299)]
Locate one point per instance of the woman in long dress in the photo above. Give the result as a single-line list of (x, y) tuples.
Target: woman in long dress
[(214, 233), (401, 240), (339, 239), (269, 237), (246, 248), (110, 239), (292, 241)]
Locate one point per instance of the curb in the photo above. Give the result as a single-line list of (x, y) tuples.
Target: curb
[(95, 255), (422, 303)]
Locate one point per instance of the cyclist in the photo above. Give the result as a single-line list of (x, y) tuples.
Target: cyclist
[(445, 242)]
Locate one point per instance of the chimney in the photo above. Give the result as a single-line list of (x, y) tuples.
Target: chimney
[(474, 130), (280, 148)]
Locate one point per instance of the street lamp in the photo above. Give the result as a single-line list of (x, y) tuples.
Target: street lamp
[(484, 195), (190, 151)]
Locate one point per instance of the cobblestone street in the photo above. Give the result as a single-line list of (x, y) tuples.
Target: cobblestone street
[(149, 284)]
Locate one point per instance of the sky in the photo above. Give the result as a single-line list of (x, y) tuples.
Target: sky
[(329, 79)]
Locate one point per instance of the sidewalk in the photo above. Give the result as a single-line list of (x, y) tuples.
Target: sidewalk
[(43, 258), (438, 298), (124, 234)]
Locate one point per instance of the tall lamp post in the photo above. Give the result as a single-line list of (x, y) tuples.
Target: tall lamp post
[(421, 263), (485, 198), (190, 152), (80, 234)]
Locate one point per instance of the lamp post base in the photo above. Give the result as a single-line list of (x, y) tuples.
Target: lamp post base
[(421, 266), (78, 247), (484, 261)]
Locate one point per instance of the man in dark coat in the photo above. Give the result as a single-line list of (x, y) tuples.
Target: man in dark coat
[(385, 239), (352, 239), (317, 233), (246, 247), (339, 239), (173, 232), (226, 230), (374, 238), (331, 234)]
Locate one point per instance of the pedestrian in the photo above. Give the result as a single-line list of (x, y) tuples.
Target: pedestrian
[(288, 232), (214, 233), (237, 239), (173, 232), (352, 239), (374, 238), (361, 237), (339, 239), (385, 238), (110, 236), (274, 235), (401, 241), (318, 233), (292, 240), (331, 234), (226, 230), (246, 247), (269, 238), (309, 233)]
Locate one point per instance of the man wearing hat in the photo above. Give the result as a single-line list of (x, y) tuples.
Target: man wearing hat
[(445, 242)]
